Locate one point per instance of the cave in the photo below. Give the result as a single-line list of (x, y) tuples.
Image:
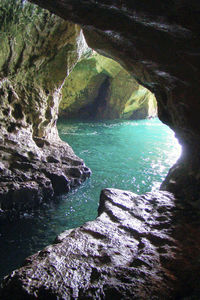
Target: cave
[(90, 111), (99, 88), (140, 246)]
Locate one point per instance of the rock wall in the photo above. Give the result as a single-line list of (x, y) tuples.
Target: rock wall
[(158, 42), (99, 88), (37, 52)]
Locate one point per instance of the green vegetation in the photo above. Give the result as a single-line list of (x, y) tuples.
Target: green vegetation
[(18, 13), (37, 51), (98, 77)]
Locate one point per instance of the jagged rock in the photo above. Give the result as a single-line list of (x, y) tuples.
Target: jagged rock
[(158, 42), (38, 50), (137, 248), (99, 88)]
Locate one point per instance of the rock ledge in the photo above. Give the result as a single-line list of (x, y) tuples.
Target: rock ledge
[(133, 250)]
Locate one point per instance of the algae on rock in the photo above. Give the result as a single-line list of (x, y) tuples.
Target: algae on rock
[(38, 50), (99, 87)]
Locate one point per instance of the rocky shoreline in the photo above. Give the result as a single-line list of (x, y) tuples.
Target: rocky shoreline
[(137, 248), (35, 176)]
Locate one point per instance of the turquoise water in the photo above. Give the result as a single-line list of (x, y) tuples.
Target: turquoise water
[(133, 155)]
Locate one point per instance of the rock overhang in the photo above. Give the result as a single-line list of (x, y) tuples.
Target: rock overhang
[(159, 44)]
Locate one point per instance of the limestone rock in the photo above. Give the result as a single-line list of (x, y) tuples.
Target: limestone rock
[(99, 88), (137, 248), (158, 42), (38, 50)]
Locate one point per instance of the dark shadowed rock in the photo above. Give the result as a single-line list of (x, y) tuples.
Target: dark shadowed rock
[(136, 249)]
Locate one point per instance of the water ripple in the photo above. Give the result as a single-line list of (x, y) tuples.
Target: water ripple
[(133, 155)]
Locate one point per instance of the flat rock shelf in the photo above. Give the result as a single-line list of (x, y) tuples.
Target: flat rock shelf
[(139, 247)]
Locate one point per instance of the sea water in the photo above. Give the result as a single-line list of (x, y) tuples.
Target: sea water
[(129, 155)]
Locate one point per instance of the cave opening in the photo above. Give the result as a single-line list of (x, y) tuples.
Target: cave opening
[(91, 111), (117, 148), (111, 123), (99, 88)]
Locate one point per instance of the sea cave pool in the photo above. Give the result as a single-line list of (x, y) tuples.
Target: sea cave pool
[(128, 155)]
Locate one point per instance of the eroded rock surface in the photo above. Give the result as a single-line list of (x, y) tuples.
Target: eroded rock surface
[(99, 88), (37, 52), (139, 247), (158, 42)]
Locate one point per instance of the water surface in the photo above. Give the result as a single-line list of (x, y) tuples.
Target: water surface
[(132, 155)]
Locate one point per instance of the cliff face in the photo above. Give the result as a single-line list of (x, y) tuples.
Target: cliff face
[(37, 51), (99, 88), (158, 42)]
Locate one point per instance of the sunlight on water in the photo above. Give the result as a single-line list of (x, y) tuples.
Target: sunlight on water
[(130, 155), (134, 155)]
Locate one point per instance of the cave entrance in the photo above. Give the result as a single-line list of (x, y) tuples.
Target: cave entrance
[(98, 107), (103, 92), (111, 123), (99, 88)]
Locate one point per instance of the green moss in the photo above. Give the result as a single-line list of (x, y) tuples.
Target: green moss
[(123, 97), (37, 51), (18, 13)]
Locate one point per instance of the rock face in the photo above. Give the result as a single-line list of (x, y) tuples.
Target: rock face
[(99, 88), (158, 42), (136, 249), (37, 51)]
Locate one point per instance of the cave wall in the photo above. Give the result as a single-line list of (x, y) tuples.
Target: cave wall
[(144, 247), (38, 50), (99, 88), (158, 42)]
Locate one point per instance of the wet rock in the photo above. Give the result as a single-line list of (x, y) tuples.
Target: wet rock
[(38, 51), (137, 248), (30, 181)]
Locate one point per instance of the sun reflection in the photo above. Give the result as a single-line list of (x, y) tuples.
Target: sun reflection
[(175, 152), (171, 158)]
